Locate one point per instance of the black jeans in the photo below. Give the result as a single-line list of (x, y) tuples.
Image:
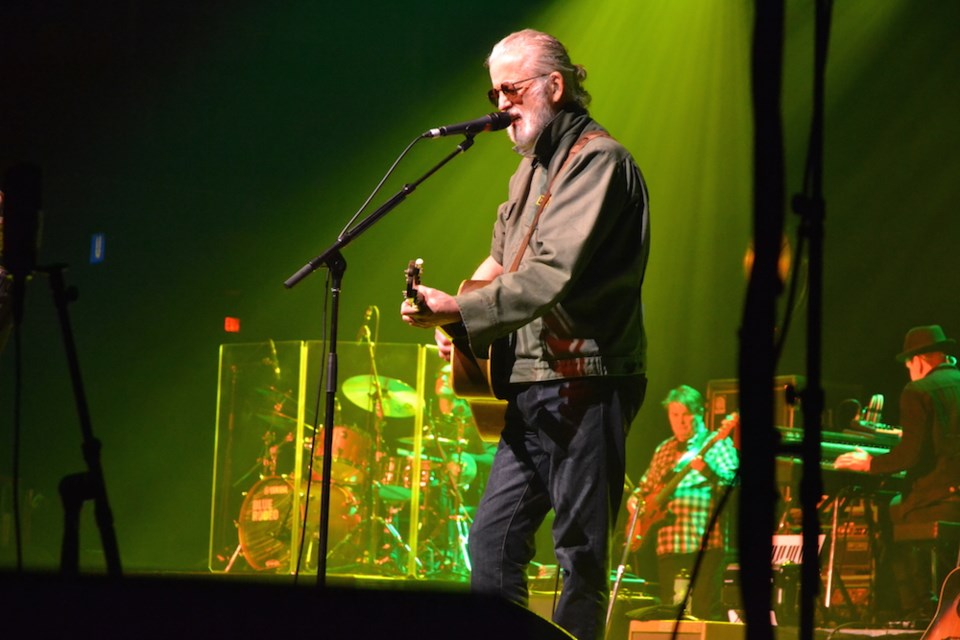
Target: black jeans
[(562, 448), (910, 562)]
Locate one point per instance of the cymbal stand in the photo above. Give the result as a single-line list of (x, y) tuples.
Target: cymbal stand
[(457, 514), (375, 409), (375, 524), (374, 533)]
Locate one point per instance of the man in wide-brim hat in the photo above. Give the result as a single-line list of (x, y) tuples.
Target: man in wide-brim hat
[(928, 339), (929, 453)]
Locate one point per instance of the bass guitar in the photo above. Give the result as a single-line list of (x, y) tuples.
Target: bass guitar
[(946, 622), (653, 506), (477, 378)]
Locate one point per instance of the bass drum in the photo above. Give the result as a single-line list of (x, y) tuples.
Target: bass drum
[(266, 521)]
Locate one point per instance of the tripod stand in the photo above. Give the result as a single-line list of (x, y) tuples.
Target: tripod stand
[(77, 488)]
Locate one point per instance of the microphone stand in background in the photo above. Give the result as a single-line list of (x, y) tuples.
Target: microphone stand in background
[(335, 262)]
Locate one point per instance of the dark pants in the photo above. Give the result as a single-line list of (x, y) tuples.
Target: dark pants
[(562, 448), (911, 563)]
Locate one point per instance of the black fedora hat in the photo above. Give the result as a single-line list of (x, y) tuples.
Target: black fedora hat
[(925, 340)]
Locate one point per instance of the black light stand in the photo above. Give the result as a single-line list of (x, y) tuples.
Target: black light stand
[(22, 194), (759, 440), (810, 206), (79, 487), (334, 261)]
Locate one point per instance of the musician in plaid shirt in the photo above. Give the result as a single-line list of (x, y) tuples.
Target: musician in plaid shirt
[(680, 535)]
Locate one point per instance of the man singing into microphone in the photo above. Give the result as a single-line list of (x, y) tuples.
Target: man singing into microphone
[(566, 266)]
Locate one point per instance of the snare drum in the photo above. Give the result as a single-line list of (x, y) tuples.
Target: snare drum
[(396, 475), (351, 456)]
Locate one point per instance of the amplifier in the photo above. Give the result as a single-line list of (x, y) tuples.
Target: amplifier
[(689, 630), (723, 398)]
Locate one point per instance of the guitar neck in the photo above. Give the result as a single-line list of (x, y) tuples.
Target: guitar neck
[(664, 494)]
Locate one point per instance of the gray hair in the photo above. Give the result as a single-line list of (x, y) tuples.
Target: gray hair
[(548, 55)]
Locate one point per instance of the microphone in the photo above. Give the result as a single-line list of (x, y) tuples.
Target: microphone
[(275, 361), (490, 122), (364, 331)]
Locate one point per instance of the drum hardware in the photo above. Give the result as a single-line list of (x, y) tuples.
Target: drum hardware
[(277, 397), (367, 527), (382, 398), (379, 558), (458, 468), (233, 559)]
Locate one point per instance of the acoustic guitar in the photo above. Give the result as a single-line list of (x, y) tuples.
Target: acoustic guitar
[(653, 507), (946, 622), (480, 379)]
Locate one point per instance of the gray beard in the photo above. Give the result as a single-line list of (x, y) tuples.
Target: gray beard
[(540, 120)]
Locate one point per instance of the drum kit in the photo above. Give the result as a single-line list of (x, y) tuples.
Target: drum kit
[(373, 510)]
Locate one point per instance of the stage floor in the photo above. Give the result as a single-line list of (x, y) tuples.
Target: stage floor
[(541, 603), (192, 604)]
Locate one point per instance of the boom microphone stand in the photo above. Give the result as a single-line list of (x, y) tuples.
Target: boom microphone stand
[(335, 262)]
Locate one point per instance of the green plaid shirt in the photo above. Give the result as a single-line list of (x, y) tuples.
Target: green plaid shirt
[(694, 499)]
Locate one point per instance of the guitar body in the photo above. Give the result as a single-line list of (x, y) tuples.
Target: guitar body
[(480, 379), (946, 622), (651, 515), (469, 372)]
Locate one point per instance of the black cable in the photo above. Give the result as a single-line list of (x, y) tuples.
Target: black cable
[(316, 429), (379, 186), (17, 413)]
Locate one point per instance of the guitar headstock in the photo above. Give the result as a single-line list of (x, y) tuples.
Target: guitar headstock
[(413, 273), (728, 424)]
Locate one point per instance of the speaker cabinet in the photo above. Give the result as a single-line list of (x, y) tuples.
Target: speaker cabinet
[(689, 630)]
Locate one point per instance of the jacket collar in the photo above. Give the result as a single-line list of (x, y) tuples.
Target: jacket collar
[(561, 132)]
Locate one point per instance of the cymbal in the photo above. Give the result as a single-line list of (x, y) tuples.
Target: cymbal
[(486, 458), (431, 438), (282, 421), (399, 399), (409, 454), (275, 394), (279, 420)]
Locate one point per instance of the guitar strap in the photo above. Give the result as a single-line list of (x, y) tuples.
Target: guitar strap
[(545, 198)]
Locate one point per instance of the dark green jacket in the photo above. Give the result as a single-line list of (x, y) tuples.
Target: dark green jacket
[(575, 300)]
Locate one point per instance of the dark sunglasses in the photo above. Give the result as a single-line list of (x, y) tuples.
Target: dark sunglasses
[(509, 89)]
